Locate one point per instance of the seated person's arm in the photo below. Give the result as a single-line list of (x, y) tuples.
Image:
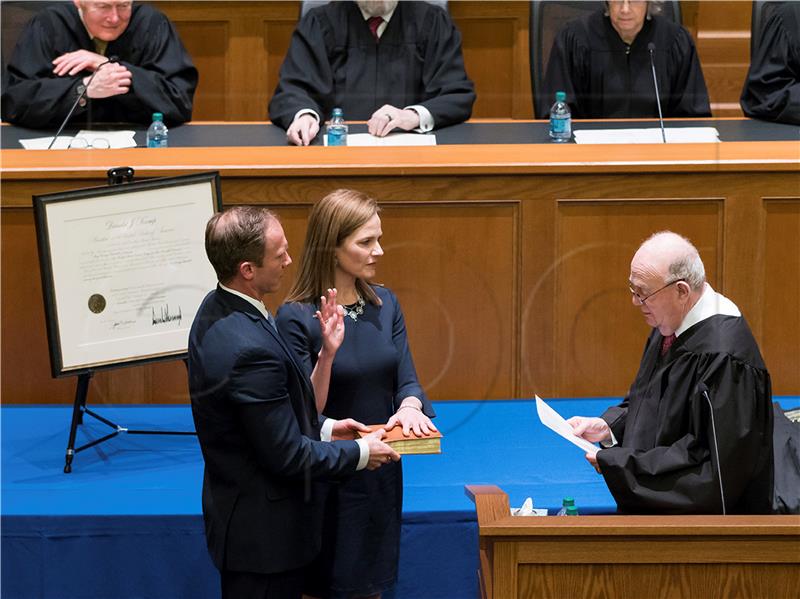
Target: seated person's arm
[(448, 92), (164, 79), (305, 78)]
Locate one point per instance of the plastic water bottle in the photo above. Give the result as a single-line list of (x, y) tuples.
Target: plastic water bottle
[(157, 132), (560, 119), (337, 129), (568, 507)]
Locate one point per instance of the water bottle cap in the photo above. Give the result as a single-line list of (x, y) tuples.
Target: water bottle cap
[(572, 510), (157, 116), (337, 112), (561, 96), (568, 501)]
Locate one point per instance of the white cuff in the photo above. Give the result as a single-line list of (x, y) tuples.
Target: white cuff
[(364, 459), (326, 431), (606, 444), (425, 118), (306, 111)]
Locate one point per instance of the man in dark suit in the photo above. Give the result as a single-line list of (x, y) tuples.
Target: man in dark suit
[(256, 420)]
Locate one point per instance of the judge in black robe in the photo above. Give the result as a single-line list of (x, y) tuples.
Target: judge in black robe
[(666, 461), (604, 77), (334, 61), (772, 88), (667, 453), (163, 78)]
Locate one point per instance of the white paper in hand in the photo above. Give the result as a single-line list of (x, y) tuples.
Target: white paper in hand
[(553, 420)]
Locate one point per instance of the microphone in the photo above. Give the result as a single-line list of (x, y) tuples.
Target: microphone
[(703, 390), (79, 98), (651, 47)]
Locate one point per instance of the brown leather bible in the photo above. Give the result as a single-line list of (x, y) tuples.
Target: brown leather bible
[(412, 444)]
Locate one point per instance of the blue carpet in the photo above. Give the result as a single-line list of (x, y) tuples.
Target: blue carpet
[(127, 522)]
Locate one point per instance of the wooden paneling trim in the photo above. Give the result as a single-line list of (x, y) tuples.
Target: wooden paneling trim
[(509, 229)]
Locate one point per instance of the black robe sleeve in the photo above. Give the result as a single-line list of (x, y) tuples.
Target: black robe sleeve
[(163, 78), (772, 88), (566, 68), (448, 92), (688, 95), (306, 75), (32, 96), (679, 473)]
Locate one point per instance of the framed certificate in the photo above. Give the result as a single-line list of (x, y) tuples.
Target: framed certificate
[(124, 269)]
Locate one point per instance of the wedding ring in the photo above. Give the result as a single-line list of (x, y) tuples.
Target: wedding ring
[(388, 116)]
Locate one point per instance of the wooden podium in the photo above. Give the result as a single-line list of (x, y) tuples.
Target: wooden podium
[(634, 557)]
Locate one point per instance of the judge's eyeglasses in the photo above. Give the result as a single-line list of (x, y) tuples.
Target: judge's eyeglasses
[(82, 143), (643, 299)]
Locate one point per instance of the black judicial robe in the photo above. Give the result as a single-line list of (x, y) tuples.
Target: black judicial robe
[(604, 77), (665, 460), (333, 60), (772, 88), (163, 76)]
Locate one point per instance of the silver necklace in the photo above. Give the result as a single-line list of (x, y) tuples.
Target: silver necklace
[(355, 310)]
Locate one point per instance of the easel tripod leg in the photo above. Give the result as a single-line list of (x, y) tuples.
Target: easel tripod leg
[(77, 417)]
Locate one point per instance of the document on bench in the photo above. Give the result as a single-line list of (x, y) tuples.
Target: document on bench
[(553, 420), (85, 139), (393, 139), (674, 135)]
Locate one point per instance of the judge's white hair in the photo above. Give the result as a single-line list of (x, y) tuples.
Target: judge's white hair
[(687, 264)]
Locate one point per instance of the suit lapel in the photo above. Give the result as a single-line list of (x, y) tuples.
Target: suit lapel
[(240, 305)]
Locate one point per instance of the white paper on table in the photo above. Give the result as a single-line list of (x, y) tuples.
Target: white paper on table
[(42, 143), (553, 420), (115, 139), (393, 139), (675, 135)]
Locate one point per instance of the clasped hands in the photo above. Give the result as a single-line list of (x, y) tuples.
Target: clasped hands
[(593, 430), (383, 121), (110, 79)]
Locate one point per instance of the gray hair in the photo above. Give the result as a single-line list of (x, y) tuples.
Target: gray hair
[(687, 265)]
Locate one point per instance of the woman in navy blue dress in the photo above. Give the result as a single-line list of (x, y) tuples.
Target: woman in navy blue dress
[(372, 379)]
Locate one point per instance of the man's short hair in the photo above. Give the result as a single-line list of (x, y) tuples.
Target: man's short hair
[(237, 235), (687, 265)]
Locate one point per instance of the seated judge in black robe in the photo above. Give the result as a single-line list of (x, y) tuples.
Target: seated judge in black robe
[(665, 452), (411, 77), (62, 46), (602, 62), (772, 88)]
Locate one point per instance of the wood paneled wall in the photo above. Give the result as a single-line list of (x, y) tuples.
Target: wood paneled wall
[(239, 46), (511, 284)]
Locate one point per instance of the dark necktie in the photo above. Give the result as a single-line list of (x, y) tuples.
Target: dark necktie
[(374, 23), (666, 343)]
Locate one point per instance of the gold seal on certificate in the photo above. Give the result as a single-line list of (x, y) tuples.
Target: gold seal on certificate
[(97, 303)]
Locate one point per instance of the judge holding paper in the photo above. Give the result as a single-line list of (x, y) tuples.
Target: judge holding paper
[(372, 379), (694, 434)]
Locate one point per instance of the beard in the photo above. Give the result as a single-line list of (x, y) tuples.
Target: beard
[(376, 8)]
